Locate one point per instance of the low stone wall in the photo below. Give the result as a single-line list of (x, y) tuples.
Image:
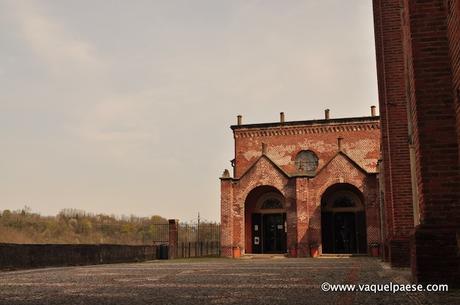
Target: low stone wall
[(20, 256)]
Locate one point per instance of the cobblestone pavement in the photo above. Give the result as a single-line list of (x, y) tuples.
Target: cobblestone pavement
[(212, 281)]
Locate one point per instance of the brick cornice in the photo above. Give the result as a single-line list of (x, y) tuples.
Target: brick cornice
[(299, 130)]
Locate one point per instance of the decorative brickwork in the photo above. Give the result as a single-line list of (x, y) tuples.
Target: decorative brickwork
[(340, 151)]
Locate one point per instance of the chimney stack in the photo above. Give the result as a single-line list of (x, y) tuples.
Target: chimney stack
[(373, 111), (339, 143), (326, 114), (264, 148), (239, 119), (226, 174), (281, 117)]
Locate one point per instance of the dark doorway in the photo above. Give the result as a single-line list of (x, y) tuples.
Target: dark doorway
[(345, 232), (274, 233), (343, 224), (269, 233)]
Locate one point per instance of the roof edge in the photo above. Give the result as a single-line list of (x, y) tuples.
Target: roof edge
[(308, 122)]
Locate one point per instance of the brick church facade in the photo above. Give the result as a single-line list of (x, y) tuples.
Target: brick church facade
[(418, 71), (303, 186)]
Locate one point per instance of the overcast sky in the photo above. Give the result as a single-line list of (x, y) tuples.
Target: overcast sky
[(124, 107)]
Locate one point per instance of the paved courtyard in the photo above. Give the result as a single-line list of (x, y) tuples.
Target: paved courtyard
[(212, 281)]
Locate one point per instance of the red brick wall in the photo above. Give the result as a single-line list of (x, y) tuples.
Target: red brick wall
[(430, 46), (434, 115), (355, 164), (173, 237), (226, 224), (283, 144), (453, 23), (303, 212), (399, 220), (433, 111)]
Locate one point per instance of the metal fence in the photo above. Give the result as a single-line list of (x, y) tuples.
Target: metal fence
[(198, 249), (193, 240), (196, 240), (198, 232), (159, 233)]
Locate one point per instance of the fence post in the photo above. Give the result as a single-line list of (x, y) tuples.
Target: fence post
[(173, 237)]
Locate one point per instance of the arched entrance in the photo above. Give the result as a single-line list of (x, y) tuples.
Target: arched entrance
[(265, 221), (343, 220)]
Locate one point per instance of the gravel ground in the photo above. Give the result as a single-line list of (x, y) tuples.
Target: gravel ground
[(213, 281)]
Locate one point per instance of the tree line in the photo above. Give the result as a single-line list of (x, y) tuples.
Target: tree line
[(72, 226)]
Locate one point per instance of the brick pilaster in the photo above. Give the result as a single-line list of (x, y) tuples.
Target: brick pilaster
[(226, 226), (173, 238), (397, 199), (433, 108)]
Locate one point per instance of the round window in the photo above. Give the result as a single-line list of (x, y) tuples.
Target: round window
[(306, 162)]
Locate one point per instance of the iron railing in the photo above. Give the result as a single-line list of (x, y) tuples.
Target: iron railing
[(197, 240)]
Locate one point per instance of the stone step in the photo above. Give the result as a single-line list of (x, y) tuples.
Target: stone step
[(340, 255), (264, 256)]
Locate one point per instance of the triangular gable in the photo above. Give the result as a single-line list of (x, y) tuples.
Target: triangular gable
[(275, 166), (279, 169), (350, 160)]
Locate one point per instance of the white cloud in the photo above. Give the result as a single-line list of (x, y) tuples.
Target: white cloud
[(117, 128), (62, 50)]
